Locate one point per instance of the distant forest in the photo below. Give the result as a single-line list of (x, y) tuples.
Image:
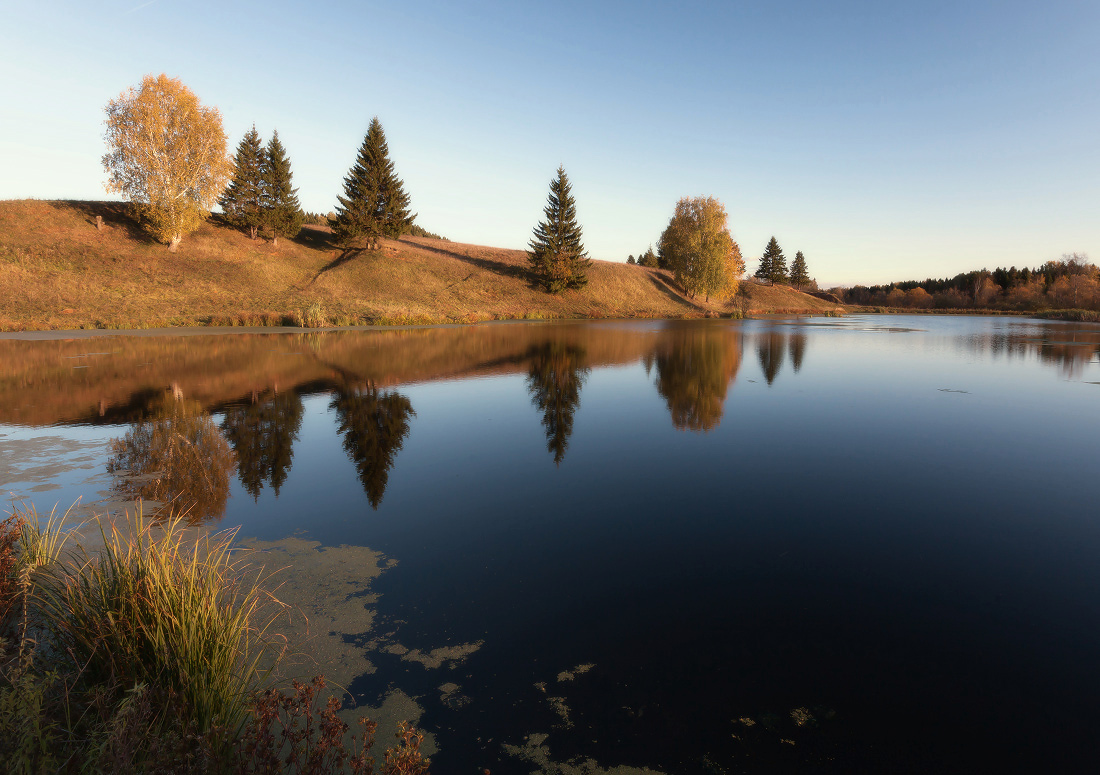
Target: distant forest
[(1070, 283)]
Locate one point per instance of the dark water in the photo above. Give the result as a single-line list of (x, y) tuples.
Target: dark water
[(817, 545)]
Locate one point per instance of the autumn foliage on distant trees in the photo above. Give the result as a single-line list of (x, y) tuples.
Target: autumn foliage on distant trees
[(1069, 283)]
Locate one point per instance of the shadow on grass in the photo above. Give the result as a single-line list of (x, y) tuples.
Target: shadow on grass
[(666, 286), (315, 238), (346, 255), (116, 215), (489, 265)]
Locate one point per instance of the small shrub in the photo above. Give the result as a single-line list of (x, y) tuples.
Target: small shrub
[(11, 529), (312, 317), (289, 733)]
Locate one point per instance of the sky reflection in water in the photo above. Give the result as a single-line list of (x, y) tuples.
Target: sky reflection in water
[(889, 522)]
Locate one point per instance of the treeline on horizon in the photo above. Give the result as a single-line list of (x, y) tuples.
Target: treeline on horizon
[(1071, 282)]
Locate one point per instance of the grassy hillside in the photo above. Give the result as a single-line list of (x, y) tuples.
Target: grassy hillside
[(57, 271)]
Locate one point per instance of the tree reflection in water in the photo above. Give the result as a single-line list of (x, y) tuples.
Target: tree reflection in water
[(375, 425), (771, 348), (554, 382), (694, 370), (262, 435), (798, 351), (176, 457)]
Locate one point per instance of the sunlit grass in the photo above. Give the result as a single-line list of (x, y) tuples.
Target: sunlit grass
[(156, 607), (59, 272), (42, 539)]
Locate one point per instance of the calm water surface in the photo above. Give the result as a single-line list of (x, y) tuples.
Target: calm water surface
[(814, 545)]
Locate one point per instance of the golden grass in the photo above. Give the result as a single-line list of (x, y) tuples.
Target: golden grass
[(57, 271)]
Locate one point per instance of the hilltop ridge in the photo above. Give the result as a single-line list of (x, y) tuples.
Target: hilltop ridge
[(58, 271)]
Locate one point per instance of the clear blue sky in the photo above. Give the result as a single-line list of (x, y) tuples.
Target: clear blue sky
[(885, 140)]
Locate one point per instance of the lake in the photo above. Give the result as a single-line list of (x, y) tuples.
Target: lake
[(803, 545)]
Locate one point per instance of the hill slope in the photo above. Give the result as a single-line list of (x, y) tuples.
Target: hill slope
[(57, 271)]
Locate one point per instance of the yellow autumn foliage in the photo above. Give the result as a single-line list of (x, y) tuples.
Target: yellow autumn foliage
[(698, 247), (167, 155)]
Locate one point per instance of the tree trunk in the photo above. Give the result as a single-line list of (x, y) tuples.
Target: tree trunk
[(175, 241)]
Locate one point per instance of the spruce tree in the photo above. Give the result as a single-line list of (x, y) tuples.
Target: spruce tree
[(243, 200), (282, 212), (800, 276), (764, 271), (557, 256), (374, 204), (773, 264)]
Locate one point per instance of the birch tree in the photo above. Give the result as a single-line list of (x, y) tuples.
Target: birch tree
[(167, 155), (697, 246)]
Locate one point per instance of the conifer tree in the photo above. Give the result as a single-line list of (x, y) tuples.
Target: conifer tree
[(773, 264), (557, 255), (243, 200), (764, 271), (800, 275), (374, 204), (282, 212)]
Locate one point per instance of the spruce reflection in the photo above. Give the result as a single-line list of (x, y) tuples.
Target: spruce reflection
[(375, 425), (771, 349), (176, 457), (798, 351), (262, 435), (554, 382), (694, 370)]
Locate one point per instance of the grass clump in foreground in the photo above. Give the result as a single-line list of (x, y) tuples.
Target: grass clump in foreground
[(153, 655)]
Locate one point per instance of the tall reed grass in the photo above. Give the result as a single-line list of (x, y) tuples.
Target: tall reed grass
[(158, 608), (42, 539)]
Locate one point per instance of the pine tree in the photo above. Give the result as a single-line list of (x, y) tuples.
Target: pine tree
[(557, 256), (282, 212), (773, 264), (243, 200), (800, 276), (374, 204)]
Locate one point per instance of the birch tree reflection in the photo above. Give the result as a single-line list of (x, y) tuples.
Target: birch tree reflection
[(176, 457), (374, 425), (262, 435), (694, 370), (554, 382)]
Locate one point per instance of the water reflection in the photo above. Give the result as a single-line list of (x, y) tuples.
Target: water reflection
[(554, 381), (1067, 347), (262, 434), (120, 380), (695, 367), (375, 425), (177, 458), (771, 349), (798, 351)]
